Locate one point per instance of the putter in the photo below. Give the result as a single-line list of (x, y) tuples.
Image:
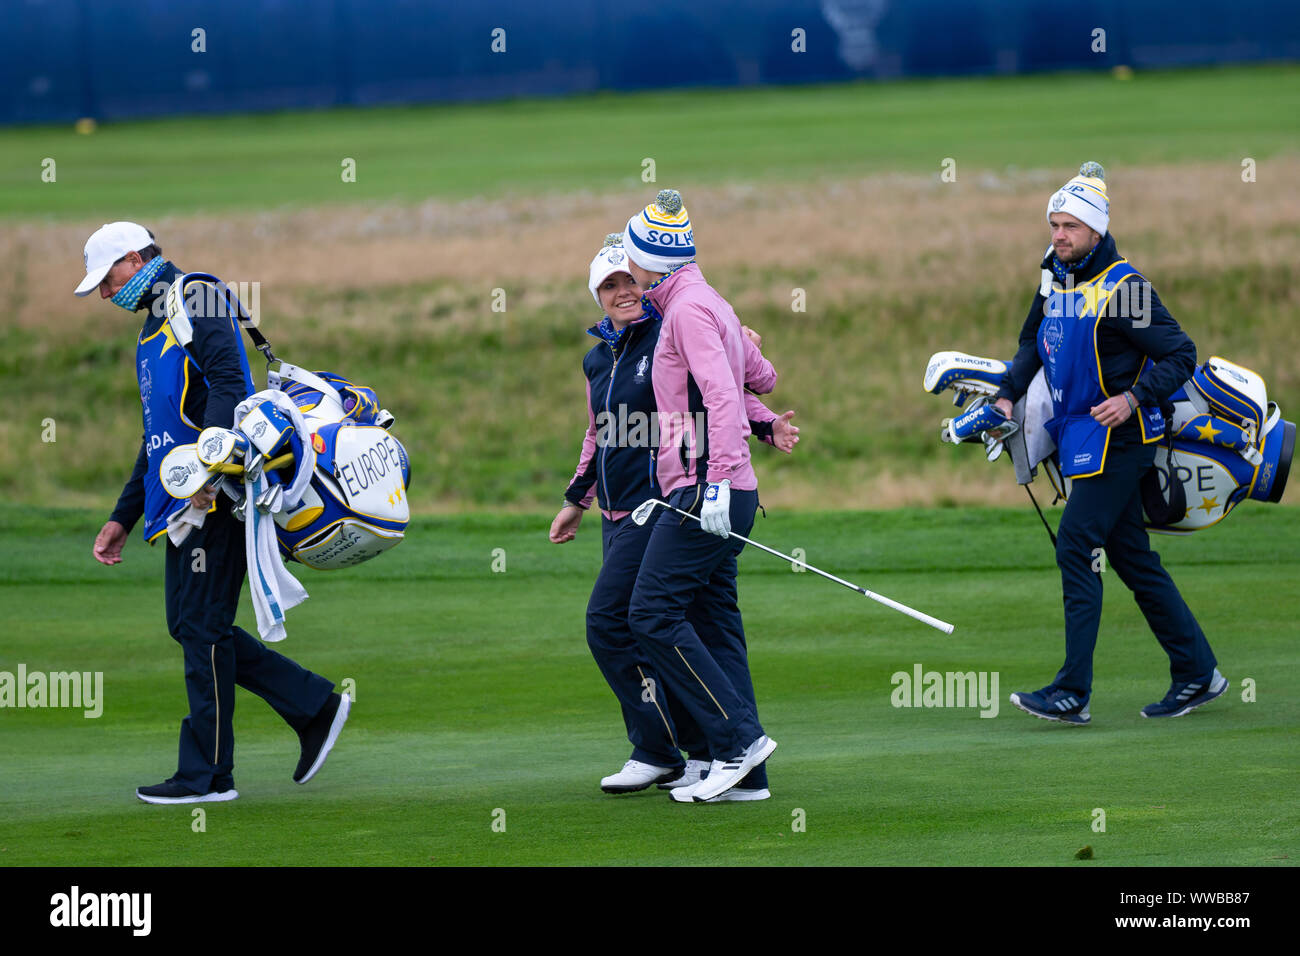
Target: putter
[(642, 514)]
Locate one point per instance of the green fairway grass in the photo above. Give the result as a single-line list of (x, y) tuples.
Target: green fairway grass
[(477, 699), (526, 147)]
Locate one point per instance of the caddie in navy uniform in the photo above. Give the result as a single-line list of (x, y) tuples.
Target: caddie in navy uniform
[(1112, 355), (192, 372)]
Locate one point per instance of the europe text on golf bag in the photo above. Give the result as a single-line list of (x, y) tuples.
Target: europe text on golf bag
[(1224, 441)]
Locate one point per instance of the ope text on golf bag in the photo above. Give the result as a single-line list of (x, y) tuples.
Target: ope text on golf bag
[(636, 429), (922, 688), (78, 689)]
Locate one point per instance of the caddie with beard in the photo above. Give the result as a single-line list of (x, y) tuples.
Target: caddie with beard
[(1112, 356), (192, 372)]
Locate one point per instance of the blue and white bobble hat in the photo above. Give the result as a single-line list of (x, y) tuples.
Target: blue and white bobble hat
[(659, 238), (1084, 198), (611, 258)]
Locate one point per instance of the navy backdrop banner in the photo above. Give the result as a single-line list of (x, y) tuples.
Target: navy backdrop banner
[(64, 59)]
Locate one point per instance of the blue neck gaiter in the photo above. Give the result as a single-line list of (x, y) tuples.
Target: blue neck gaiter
[(129, 296), (1061, 269)]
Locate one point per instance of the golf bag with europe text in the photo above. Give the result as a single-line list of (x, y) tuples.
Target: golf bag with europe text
[(312, 450)]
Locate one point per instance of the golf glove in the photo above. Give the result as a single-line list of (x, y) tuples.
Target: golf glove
[(715, 515)]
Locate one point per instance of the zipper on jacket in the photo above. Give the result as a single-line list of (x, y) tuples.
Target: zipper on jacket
[(605, 450)]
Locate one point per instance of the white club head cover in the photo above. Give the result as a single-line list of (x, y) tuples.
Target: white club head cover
[(181, 473), (217, 446)]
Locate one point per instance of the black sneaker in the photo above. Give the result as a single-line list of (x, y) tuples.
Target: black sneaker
[(169, 791), (319, 736)]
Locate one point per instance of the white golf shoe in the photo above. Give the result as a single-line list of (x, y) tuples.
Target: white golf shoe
[(725, 774), (690, 776), (739, 795), (734, 795), (636, 775)]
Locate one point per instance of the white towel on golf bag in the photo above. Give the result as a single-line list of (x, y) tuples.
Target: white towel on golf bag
[(183, 522), (273, 588)]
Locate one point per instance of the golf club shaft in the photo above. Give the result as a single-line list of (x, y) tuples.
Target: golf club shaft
[(910, 612)]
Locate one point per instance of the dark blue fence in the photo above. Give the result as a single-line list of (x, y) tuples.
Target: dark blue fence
[(63, 59)]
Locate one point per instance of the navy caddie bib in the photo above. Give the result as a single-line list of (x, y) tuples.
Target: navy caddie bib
[(1067, 345)]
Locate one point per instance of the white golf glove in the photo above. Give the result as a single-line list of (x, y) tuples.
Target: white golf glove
[(715, 515)]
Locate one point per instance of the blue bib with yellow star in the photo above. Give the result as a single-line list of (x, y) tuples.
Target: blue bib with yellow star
[(1067, 344), (166, 373)]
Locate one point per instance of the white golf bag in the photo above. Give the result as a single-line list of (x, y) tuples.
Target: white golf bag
[(1224, 442), (353, 506)]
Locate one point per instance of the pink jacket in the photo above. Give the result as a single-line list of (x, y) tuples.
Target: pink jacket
[(701, 342), (760, 376)]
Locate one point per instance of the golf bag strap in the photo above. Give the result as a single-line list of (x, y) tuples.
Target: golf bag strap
[(301, 376)]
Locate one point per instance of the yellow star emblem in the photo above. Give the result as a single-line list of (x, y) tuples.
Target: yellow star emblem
[(1091, 294), (1209, 504), (1207, 431), (169, 338)]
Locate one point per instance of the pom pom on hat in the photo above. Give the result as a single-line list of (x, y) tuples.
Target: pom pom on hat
[(669, 202), (613, 239), (1092, 170)]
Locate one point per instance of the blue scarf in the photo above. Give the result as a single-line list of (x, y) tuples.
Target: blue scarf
[(610, 334), (129, 296), (1061, 269)]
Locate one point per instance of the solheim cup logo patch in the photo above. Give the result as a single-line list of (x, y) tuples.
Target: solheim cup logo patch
[(1058, 201), (615, 257), (258, 429), (1053, 332), (178, 475), (641, 367), (212, 446)]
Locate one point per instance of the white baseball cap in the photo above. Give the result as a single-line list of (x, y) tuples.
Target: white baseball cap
[(109, 243), (611, 259)]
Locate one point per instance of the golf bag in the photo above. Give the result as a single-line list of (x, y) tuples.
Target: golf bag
[(1223, 443), (354, 506), (314, 445)]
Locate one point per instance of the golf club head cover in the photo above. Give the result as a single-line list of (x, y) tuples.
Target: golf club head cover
[(220, 446), (982, 421), (181, 473), (267, 428), (964, 373)]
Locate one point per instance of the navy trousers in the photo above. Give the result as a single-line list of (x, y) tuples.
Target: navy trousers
[(658, 727), (701, 654), (1105, 513), (203, 580)]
